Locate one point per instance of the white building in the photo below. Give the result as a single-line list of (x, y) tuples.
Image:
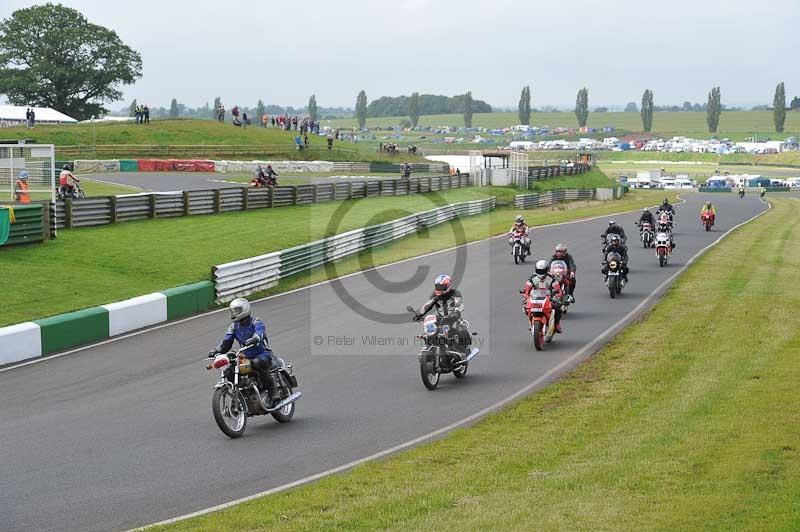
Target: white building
[(12, 115)]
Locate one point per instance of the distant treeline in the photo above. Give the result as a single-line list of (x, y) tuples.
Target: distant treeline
[(429, 104)]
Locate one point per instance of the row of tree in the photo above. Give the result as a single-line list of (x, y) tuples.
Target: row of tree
[(713, 108)]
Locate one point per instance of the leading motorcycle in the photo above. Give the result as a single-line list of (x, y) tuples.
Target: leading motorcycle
[(614, 280), (518, 249), (238, 394), (438, 354), (538, 308), (707, 219)]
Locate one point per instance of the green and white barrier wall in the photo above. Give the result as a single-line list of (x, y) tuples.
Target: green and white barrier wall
[(57, 333)]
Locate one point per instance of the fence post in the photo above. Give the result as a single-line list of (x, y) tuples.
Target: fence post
[(217, 200), (349, 190), (46, 221), (316, 193), (380, 187), (245, 198), (113, 209), (186, 205), (152, 205), (270, 197), (294, 195), (68, 213)]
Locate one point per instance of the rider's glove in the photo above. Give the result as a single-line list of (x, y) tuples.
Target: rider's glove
[(417, 317), (212, 353), (253, 340)]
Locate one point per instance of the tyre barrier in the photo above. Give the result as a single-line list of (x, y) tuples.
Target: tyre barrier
[(45, 336)]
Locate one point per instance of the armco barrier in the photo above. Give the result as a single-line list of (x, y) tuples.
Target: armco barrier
[(246, 276), (536, 173), (113, 209), (544, 199), (29, 226), (64, 331)]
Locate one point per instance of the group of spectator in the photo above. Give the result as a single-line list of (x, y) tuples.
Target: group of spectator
[(220, 113), (142, 114), (30, 117)]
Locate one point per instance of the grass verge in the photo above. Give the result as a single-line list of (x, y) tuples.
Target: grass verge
[(685, 421), (98, 188)]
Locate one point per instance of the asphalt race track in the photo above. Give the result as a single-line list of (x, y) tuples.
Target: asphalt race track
[(169, 181), (121, 435)]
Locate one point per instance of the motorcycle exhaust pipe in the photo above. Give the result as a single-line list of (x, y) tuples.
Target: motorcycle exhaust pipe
[(291, 399), (472, 354)]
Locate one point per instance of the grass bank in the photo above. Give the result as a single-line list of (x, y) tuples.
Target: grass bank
[(686, 421), (111, 263)]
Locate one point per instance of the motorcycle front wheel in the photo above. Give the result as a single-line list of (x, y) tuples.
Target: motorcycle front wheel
[(538, 335), (612, 286), (229, 412), (427, 370)]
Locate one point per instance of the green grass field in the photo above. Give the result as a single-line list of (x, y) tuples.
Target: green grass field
[(686, 421), (733, 124), (190, 133), (135, 258)]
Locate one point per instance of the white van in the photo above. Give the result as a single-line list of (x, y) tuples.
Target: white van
[(684, 183)]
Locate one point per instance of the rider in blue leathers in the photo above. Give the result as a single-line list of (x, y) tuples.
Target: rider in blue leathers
[(251, 333)]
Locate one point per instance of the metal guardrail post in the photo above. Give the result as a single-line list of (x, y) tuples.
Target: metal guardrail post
[(152, 202), (186, 203), (113, 213), (294, 195), (315, 193), (270, 197), (350, 190), (245, 198), (217, 200), (68, 213)]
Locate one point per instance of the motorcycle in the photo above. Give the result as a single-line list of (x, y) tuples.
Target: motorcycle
[(614, 280), (538, 307), (663, 248), (77, 192), (666, 219), (238, 396), (518, 249), (707, 219), (560, 271), (438, 356), (646, 234), (741, 193), (257, 182)]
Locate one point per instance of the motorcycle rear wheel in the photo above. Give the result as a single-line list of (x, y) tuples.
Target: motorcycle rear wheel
[(538, 336), (662, 259), (461, 371), (285, 414), (427, 370), (229, 412)]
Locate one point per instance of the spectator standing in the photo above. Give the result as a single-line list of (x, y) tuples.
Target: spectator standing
[(273, 121), (330, 142), (305, 139), (33, 118), (146, 114), (221, 113), (244, 120), (299, 142), (264, 120)]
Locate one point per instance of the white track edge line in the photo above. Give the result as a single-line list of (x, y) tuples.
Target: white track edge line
[(595, 345), (45, 358)]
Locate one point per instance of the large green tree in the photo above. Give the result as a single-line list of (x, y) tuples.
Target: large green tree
[(260, 110), (52, 56), (361, 109), (132, 108), (582, 107), (313, 112), (173, 109), (413, 109), (713, 109), (779, 107), (647, 110), (525, 106), (468, 109)]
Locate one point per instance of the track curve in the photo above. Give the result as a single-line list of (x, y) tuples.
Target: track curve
[(127, 426)]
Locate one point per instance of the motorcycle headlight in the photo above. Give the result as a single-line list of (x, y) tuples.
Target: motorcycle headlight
[(613, 264)]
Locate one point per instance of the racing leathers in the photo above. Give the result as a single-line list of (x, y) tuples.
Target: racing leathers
[(253, 333), (523, 231), (449, 307), (549, 283), (647, 216), (573, 271), (615, 229)]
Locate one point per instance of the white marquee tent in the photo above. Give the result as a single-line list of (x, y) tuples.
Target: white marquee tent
[(14, 114)]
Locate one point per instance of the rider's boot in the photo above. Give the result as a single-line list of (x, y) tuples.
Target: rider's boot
[(272, 389)]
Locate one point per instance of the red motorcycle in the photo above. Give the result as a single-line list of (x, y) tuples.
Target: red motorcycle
[(538, 308), (707, 219)]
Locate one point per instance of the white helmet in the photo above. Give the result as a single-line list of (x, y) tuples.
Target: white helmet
[(541, 267), (240, 309)]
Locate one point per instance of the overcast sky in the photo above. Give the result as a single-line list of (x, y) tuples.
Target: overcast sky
[(283, 51)]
